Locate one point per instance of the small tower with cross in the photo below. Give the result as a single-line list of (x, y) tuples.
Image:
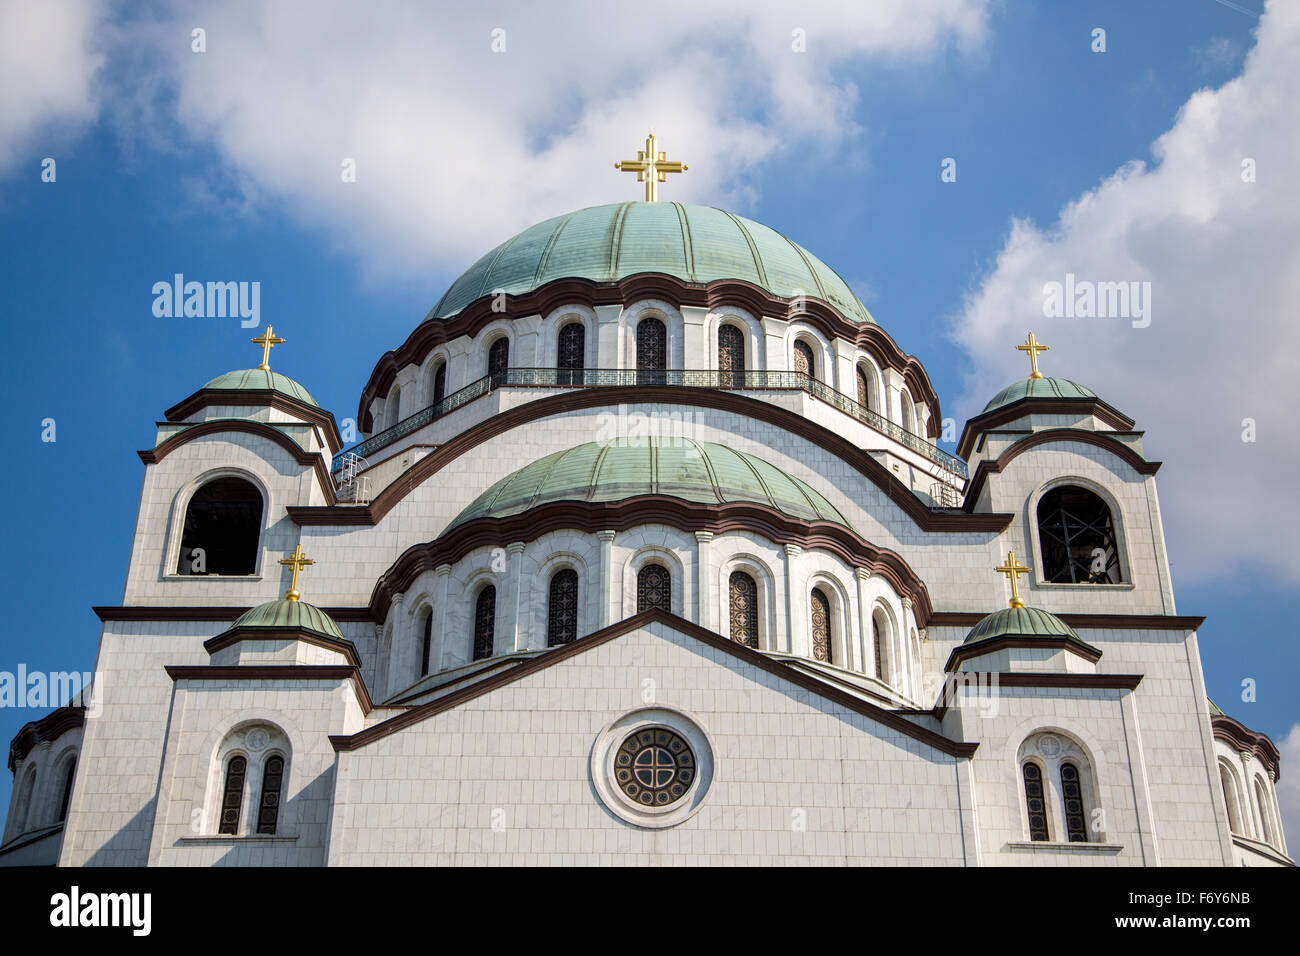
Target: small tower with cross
[(651, 167), (1032, 346), (1012, 569), (268, 340)]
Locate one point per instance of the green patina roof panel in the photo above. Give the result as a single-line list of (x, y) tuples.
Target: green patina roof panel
[(256, 379), (718, 247), (1021, 622), (285, 614), (1038, 388)]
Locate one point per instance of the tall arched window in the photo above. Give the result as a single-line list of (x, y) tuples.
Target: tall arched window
[(268, 808), (223, 523), (731, 357), (1077, 538), (804, 363), (909, 412), (821, 626), (439, 385), (651, 351), (26, 810), (562, 609), (1035, 801), (654, 588), (69, 773), (485, 622), (426, 643), (1232, 798), (1262, 810), (394, 407), (880, 644), (572, 353), (1072, 796), (864, 388), (499, 361), (232, 795), (744, 609)]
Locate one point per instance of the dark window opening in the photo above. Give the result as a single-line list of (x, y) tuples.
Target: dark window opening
[(223, 523), (654, 588), (804, 363), (1072, 793), (439, 384), (1035, 804), (731, 357), (562, 612), (821, 626), (427, 645), (1077, 538), (232, 798), (651, 352), (572, 353), (744, 609), (485, 622), (499, 361), (268, 813), (67, 789)]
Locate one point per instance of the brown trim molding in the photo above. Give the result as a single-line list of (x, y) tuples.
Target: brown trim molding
[(152, 456), (592, 517), (1103, 622), (207, 613), (238, 634), (953, 748), (1047, 436), (50, 727), (1062, 681), (275, 672), (1040, 406), (964, 652), (1242, 738), (258, 398), (715, 295), (580, 399)]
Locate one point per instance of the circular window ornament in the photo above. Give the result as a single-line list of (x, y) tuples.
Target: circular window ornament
[(1049, 745), (652, 767)]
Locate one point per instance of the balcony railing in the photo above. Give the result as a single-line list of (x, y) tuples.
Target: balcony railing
[(684, 378)]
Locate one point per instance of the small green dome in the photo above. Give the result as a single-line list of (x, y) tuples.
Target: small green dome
[(697, 244), (1020, 622), (697, 471), (286, 615), (258, 379), (1038, 388)]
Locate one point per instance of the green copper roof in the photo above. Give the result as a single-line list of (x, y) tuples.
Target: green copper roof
[(1021, 622), (695, 471), (256, 379), (1038, 388), (284, 614), (694, 243)]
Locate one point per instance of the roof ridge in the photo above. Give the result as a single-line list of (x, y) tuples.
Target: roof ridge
[(821, 290), (708, 467), (753, 249), (550, 244), (616, 241), (688, 242)]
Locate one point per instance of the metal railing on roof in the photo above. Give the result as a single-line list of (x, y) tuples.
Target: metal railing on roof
[(684, 378)]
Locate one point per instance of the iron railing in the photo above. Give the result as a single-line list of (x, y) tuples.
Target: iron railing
[(683, 378)]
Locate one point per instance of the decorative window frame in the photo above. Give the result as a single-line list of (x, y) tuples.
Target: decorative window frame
[(541, 588), (749, 326), (440, 356), (554, 323), (841, 618), (823, 355), (601, 766), (894, 674), (176, 524), (1243, 812), (758, 569), (1074, 749), (230, 744), (875, 383), (1118, 525), (654, 554), (674, 328)]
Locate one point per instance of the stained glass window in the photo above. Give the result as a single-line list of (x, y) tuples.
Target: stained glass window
[(232, 797), (485, 622), (1034, 801), (654, 588), (268, 811), (654, 767), (731, 357), (821, 626), (499, 361), (803, 359), (651, 351), (1077, 537), (744, 609), (562, 612), (1072, 793)]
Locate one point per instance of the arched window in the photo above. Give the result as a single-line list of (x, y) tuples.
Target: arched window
[(804, 363), (880, 644), (1035, 803), (68, 774), (268, 808), (26, 811), (232, 795), (731, 357), (1077, 538), (821, 626), (654, 588), (223, 523), (909, 412), (485, 623), (864, 388), (499, 361), (572, 353), (439, 384), (426, 644), (744, 609), (562, 611), (394, 406), (1072, 796), (651, 351), (1262, 810), (1232, 797)]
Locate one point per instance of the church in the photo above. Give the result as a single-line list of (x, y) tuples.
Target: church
[(648, 556)]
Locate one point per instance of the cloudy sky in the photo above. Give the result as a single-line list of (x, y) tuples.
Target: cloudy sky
[(1163, 160)]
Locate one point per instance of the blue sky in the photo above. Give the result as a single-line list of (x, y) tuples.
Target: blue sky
[(166, 167)]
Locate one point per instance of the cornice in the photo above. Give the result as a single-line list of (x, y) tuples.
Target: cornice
[(1242, 738), (257, 398), (964, 652), (275, 672), (1140, 622), (50, 727), (1041, 406)]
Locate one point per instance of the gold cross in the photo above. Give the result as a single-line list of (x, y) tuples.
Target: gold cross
[(297, 561), (267, 340), (1033, 348), (650, 167), (1012, 569)]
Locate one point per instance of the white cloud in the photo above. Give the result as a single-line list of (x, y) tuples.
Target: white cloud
[(1223, 258), (48, 59), (1288, 786), (457, 146)]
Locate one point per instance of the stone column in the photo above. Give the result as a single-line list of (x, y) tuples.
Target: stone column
[(606, 575), (399, 666), (913, 664), (893, 382), (846, 379), (796, 641), (609, 344), (696, 352), (706, 614), (514, 638), (1248, 798), (441, 650), (864, 623)]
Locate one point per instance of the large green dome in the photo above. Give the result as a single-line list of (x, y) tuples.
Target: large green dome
[(284, 614), (696, 244), (260, 379), (1020, 622), (697, 471)]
